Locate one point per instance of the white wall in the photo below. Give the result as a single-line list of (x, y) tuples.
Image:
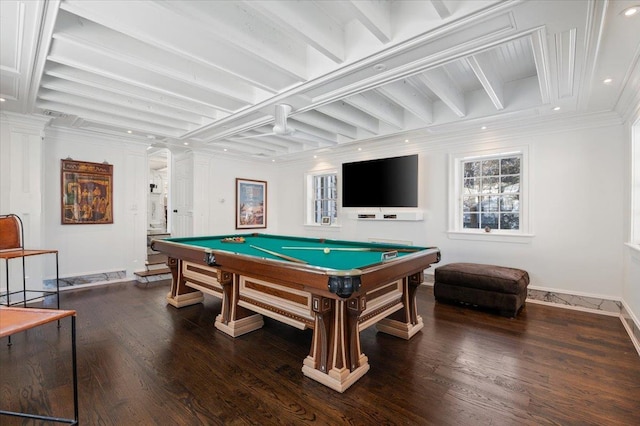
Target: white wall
[(21, 182), (215, 193), (89, 249), (577, 180)]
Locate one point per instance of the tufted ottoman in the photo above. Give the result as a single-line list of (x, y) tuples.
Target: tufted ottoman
[(486, 286)]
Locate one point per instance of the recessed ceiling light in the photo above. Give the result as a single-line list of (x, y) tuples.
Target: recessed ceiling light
[(607, 80), (129, 131), (225, 150), (556, 108), (186, 143), (406, 140), (483, 128), (631, 11), (315, 156), (273, 160), (359, 149), (2, 99)]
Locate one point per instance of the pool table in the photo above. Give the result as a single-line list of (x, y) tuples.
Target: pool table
[(337, 288)]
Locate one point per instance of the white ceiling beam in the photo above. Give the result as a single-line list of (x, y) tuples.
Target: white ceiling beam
[(321, 134), (117, 122), (330, 124), (441, 84), (129, 90), (66, 52), (404, 94), (375, 16), (48, 13), (240, 147), (539, 46), (204, 44), (91, 104), (311, 140), (378, 106), (234, 23), (262, 145), (441, 8), (266, 136), (342, 111), (63, 86), (565, 61), (83, 32), (292, 142), (308, 23), (489, 78)]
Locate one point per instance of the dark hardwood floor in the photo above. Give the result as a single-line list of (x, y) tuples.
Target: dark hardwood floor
[(141, 362)]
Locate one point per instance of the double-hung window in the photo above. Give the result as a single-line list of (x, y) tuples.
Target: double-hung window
[(322, 198), (489, 193)]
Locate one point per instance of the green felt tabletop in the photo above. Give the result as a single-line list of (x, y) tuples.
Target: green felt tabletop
[(335, 259)]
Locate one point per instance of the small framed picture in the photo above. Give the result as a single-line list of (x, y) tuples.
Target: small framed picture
[(326, 220), (251, 204)]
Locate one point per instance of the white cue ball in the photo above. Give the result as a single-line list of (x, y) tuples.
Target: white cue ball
[(326, 250)]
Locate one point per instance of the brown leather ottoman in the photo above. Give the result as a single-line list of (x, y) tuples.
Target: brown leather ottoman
[(485, 286)]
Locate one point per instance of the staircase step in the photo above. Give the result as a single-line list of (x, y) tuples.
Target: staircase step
[(156, 267), (156, 259), (152, 272)]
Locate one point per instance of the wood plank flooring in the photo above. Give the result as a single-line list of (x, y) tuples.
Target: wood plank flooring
[(141, 362)]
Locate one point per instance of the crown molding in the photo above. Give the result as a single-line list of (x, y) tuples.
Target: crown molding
[(12, 118), (499, 131)]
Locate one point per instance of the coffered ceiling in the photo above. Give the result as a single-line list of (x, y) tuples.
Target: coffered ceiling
[(215, 74)]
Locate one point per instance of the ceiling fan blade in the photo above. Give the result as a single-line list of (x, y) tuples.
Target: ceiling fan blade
[(255, 136)]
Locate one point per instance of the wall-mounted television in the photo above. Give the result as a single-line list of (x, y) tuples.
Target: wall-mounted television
[(385, 182)]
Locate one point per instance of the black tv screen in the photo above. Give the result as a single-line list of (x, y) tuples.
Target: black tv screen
[(386, 182)]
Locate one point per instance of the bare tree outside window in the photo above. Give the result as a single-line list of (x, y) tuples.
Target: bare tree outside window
[(491, 193)]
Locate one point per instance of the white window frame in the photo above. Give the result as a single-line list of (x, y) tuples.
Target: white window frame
[(456, 229), (309, 192)]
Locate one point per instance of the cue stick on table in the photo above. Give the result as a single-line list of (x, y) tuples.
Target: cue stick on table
[(353, 249), (274, 253)]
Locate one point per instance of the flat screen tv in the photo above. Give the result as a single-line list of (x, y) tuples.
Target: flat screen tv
[(385, 182)]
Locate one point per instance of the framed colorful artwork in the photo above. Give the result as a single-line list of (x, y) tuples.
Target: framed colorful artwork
[(251, 204), (87, 192)]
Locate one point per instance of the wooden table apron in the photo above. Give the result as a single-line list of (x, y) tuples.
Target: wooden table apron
[(298, 295)]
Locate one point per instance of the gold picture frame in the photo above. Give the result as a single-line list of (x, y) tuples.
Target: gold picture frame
[(86, 192), (251, 204)]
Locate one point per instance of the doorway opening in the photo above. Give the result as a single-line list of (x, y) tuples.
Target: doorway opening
[(158, 199), (158, 220)]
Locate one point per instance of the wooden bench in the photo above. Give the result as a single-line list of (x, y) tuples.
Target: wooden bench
[(486, 286)]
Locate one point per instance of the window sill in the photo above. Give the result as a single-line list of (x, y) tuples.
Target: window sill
[(495, 236), (634, 251), (316, 226)]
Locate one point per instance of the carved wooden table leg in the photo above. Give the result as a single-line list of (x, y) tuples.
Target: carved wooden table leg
[(406, 322), (235, 320), (335, 358), (181, 295)]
